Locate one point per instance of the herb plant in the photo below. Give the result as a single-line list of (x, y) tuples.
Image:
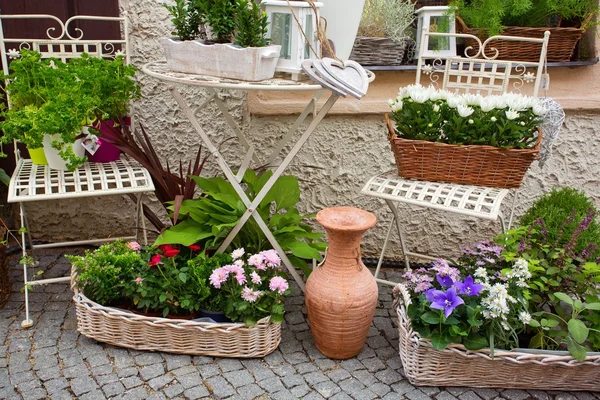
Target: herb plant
[(250, 25), (209, 218), (387, 18), (221, 16), (187, 19)]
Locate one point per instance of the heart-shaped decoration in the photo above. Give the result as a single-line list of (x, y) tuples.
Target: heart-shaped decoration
[(350, 75), (323, 73), (309, 68)]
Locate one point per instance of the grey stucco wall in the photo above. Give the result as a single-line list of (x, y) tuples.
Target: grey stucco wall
[(332, 166)]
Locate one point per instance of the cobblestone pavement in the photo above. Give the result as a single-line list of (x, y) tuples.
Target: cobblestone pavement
[(51, 360)]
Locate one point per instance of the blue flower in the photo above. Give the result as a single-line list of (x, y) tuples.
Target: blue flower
[(468, 287), (446, 301), (445, 281)]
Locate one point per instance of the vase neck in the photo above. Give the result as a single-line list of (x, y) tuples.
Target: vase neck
[(344, 246)]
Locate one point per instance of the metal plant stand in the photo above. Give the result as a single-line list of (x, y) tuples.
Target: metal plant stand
[(161, 71), (33, 183)]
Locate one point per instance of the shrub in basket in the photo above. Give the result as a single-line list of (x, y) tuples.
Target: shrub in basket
[(499, 131)]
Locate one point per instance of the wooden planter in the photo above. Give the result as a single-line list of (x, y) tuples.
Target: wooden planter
[(222, 60), (463, 164), (121, 328), (560, 46), (456, 366)]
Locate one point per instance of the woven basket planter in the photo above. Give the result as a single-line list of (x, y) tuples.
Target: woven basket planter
[(456, 366), (124, 329), (429, 3), (370, 51), (560, 46), (465, 164), (5, 286)]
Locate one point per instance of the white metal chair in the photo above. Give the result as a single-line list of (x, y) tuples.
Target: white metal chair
[(478, 72), (31, 182)]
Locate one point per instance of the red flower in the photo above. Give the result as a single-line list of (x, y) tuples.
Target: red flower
[(194, 247), (171, 252), (154, 260), (165, 247)]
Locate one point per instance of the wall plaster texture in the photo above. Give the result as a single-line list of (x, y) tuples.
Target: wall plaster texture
[(332, 166)]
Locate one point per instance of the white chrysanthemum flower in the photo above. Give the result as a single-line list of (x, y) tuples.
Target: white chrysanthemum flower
[(391, 102), (481, 273), (525, 317), (436, 107), (511, 114), (494, 119), (487, 103), (420, 96), (538, 109), (454, 101), (471, 99), (397, 106), (464, 111)]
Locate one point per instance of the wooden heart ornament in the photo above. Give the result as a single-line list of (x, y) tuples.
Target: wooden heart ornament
[(350, 75), (309, 67)]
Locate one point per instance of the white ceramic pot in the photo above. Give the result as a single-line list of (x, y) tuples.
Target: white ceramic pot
[(222, 60), (55, 161), (343, 18)]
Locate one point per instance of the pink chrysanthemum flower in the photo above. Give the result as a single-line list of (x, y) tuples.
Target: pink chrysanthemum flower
[(239, 263), (135, 246), (271, 258), (237, 253), (241, 278), (218, 276), (255, 278), (250, 295), (278, 284), (139, 279), (258, 261)]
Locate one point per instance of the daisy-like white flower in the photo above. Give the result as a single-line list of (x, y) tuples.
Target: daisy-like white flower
[(529, 77), (511, 114), (525, 317), (427, 69), (464, 111), (13, 54), (538, 109)]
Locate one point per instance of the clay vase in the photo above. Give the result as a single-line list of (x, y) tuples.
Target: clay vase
[(341, 294)]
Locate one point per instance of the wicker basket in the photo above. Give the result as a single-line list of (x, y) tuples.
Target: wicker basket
[(469, 165), (429, 3), (456, 366), (560, 46), (124, 329), (5, 286), (370, 51)]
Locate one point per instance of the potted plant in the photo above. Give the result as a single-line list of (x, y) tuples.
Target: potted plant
[(248, 58), (566, 20), (523, 306), (177, 282), (209, 218), (442, 136), (382, 34)]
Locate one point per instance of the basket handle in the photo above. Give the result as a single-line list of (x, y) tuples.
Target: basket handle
[(401, 296), (390, 125), (462, 27)]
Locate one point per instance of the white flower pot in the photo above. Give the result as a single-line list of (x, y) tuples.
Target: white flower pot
[(343, 18), (222, 60), (55, 161)]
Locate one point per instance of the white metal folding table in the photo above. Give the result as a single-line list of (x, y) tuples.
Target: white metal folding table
[(161, 71)]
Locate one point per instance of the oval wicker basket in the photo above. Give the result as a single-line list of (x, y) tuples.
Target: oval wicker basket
[(369, 51), (560, 46), (464, 164), (125, 329), (456, 366)]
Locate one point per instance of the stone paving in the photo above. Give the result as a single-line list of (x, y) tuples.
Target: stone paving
[(51, 360)]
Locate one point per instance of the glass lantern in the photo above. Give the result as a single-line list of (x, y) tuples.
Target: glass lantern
[(284, 31), (436, 19)]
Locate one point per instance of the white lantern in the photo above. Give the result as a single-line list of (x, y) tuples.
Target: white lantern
[(436, 19), (284, 31)]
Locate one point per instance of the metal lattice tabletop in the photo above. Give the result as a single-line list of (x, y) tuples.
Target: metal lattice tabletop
[(478, 201), (31, 182)]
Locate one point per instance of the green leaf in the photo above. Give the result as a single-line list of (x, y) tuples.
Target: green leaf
[(303, 250), (276, 318), (182, 277), (552, 271), (431, 317), (162, 298), (537, 341), (551, 323), (475, 342), (593, 306), (4, 178), (578, 330), (534, 323), (186, 233), (440, 341), (576, 350), (285, 193), (564, 297)]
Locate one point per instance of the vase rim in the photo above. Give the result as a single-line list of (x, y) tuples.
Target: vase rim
[(346, 218)]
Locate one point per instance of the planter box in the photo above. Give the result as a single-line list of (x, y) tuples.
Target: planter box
[(457, 366), (463, 164), (222, 60), (125, 329)]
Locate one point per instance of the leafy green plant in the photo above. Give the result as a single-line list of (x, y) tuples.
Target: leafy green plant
[(250, 24), (187, 18), (221, 16), (4, 178), (562, 211), (209, 218)]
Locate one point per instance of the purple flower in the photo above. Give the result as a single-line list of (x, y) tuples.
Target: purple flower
[(445, 281), (468, 287), (446, 301)]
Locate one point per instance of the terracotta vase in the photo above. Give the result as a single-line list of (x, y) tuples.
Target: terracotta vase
[(341, 294)]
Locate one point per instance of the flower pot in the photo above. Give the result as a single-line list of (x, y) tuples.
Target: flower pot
[(343, 18), (341, 294), (38, 156), (107, 151), (55, 161), (222, 60), (217, 316)]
